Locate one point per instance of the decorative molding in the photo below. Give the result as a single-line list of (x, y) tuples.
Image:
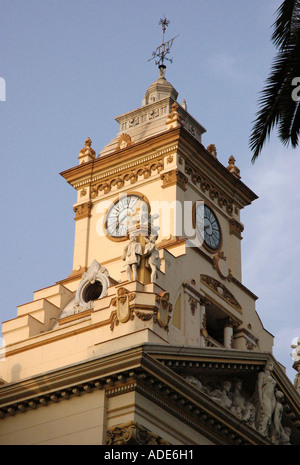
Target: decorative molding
[(132, 175), (124, 141), (143, 315), (87, 153), (206, 185), (236, 228), (148, 370), (132, 433), (221, 290), (193, 304), (83, 210), (211, 148), (174, 119), (232, 168), (96, 275), (216, 265), (261, 412), (162, 317), (122, 302), (173, 177)]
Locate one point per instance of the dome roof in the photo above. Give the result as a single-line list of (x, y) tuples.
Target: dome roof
[(159, 90)]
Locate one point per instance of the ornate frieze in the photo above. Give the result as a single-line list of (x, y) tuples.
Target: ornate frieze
[(132, 175), (262, 410)]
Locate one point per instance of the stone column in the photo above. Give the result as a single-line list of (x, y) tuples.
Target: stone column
[(203, 331), (228, 333)]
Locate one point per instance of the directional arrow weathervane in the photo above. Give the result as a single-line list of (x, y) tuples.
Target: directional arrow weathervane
[(164, 49)]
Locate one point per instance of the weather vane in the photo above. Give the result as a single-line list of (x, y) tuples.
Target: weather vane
[(164, 49)]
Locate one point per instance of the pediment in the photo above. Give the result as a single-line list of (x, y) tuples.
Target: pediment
[(232, 380), (221, 291)]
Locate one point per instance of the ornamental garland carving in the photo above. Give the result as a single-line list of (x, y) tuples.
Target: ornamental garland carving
[(126, 311), (174, 177), (236, 228), (221, 290), (207, 186), (132, 433), (133, 175), (83, 210)]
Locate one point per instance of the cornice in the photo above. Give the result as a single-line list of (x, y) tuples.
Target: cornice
[(155, 372), (133, 369), (122, 159), (210, 174)]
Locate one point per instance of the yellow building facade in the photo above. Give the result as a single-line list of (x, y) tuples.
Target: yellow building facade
[(152, 338)]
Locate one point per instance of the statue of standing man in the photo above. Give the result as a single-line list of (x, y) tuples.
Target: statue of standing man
[(132, 256)]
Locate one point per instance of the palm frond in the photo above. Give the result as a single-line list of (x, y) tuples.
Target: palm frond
[(276, 106), (270, 104), (287, 14)]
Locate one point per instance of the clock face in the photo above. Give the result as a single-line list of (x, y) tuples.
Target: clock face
[(117, 216), (208, 226)]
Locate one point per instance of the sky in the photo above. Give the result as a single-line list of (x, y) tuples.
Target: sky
[(71, 66)]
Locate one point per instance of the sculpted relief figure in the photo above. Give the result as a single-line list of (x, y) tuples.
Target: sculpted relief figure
[(265, 401), (240, 407), (296, 356), (132, 257), (152, 256), (221, 394), (262, 411)]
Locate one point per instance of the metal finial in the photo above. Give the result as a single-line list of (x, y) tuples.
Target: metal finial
[(163, 50)]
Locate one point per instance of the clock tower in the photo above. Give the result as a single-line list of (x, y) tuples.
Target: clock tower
[(152, 338)]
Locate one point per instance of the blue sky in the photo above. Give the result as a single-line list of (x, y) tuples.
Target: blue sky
[(72, 66)]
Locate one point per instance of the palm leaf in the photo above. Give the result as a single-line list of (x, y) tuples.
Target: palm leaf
[(276, 106), (287, 14)]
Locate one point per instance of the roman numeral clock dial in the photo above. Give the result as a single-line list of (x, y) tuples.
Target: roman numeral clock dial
[(208, 227), (117, 216)]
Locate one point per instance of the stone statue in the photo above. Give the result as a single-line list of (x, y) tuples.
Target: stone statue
[(152, 256), (296, 356), (194, 381), (285, 436), (132, 257), (297, 379), (276, 428), (221, 394), (249, 414), (265, 399), (238, 401)]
